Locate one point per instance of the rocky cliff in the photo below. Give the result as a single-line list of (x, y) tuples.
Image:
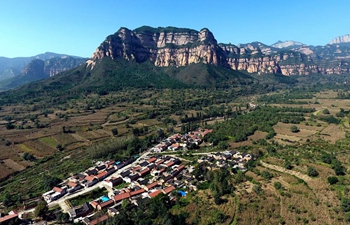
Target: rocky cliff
[(163, 46), (341, 39), (178, 47)]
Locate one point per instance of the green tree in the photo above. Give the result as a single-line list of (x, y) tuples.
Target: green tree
[(325, 111), (115, 131), (312, 172), (288, 165), (294, 129), (332, 180), (41, 209), (277, 185)]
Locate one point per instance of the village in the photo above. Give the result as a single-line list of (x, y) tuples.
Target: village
[(156, 171)]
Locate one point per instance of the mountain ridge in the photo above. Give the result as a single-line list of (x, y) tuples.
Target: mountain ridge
[(171, 46)]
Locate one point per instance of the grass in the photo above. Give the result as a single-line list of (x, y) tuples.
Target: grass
[(88, 197), (49, 141), (25, 148)]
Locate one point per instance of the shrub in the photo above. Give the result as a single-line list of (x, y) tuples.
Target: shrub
[(345, 204), (312, 172), (332, 180), (294, 129), (277, 185)]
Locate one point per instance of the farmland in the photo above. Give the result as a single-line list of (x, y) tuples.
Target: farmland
[(58, 140)]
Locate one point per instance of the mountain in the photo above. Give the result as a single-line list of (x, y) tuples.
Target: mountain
[(11, 67), (172, 46), (167, 57), (168, 46), (341, 39), (287, 44), (44, 66)]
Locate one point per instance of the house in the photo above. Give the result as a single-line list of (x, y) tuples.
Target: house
[(144, 172), (168, 189), (110, 169), (122, 196), (154, 193), (142, 181), (91, 172), (131, 177), (114, 181), (125, 173), (113, 210), (174, 147), (151, 160), (110, 163), (143, 164), (90, 181), (169, 164), (159, 161), (166, 177), (105, 204), (151, 166), (95, 221), (102, 175), (151, 186), (100, 166), (54, 194), (137, 192), (10, 218), (84, 210), (94, 204), (73, 186), (136, 169)]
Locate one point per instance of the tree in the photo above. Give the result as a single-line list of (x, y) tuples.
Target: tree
[(332, 180), (288, 165), (115, 131), (345, 204), (59, 147), (41, 209), (294, 129), (277, 185), (325, 111), (312, 172)]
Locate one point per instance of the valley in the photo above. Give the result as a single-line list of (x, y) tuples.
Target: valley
[(260, 133)]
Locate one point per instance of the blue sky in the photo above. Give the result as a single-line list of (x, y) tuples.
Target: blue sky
[(77, 27)]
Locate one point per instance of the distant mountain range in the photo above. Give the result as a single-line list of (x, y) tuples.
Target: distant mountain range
[(180, 52), (20, 70)]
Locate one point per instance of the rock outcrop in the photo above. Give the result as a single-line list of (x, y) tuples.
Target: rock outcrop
[(341, 39), (172, 46), (163, 46)]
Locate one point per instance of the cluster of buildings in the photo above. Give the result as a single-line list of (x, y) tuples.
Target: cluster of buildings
[(88, 178), (179, 141), (144, 180), (228, 159)]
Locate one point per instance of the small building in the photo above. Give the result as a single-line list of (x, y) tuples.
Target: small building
[(121, 197), (84, 210), (168, 189), (95, 221), (114, 181), (10, 218), (105, 204), (90, 181), (154, 193)]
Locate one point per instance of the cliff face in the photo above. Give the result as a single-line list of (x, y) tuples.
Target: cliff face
[(163, 46), (172, 46)]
